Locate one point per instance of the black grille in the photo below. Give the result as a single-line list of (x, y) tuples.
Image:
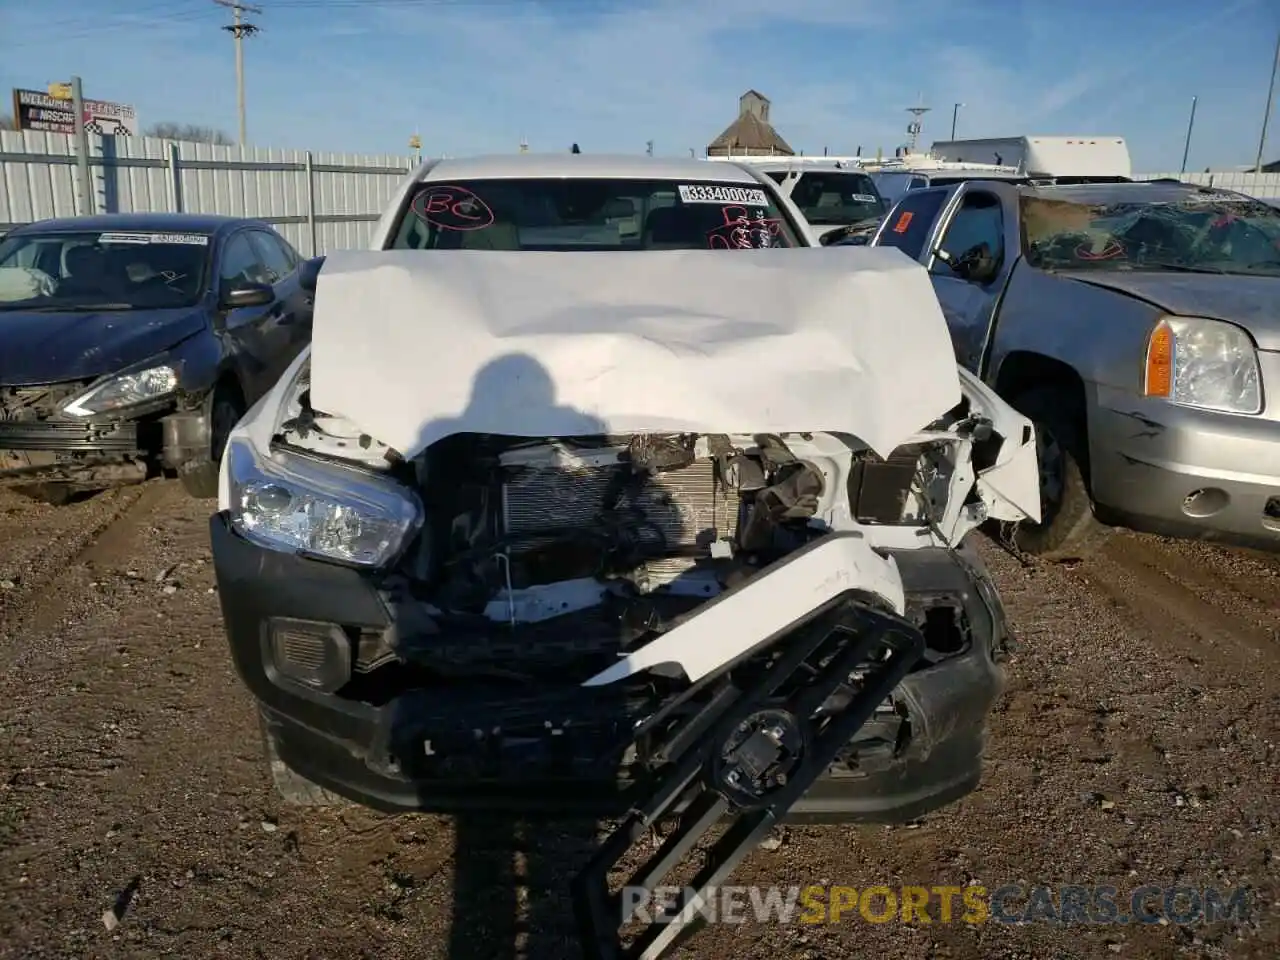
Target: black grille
[(68, 436)]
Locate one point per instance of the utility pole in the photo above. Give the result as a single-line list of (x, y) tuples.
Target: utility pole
[(84, 189), (240, 29), (1271, 93), (1186, 147), (955, 112)]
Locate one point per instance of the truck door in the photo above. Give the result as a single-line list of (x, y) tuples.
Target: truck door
[(974, 230)]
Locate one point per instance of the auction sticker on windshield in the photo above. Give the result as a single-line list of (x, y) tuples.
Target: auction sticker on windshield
[(862, 198), (191, 239), (701, 193)]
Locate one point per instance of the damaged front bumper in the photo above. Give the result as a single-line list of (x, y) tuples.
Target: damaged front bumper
[(101, 452), (851, 713), (568, 751)]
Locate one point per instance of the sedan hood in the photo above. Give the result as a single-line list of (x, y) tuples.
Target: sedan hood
[(416, 346), (53, 347), (1253, 302)]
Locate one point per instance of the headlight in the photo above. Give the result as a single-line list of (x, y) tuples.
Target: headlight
[(124, 391), (298, 505), (1203, 363)]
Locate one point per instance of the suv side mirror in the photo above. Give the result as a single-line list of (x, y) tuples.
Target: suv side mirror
[(248, 295), (310, 274)]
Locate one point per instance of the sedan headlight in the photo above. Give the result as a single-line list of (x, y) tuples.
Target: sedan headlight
[(299, 505), (124, 391), (1203, 363)]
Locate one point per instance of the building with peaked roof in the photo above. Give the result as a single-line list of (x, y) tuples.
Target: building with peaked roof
[(750, 134)]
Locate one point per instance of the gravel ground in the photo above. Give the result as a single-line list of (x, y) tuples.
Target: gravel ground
[(1137, 744)]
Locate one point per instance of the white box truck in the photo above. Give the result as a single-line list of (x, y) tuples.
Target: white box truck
[(1059, 158)]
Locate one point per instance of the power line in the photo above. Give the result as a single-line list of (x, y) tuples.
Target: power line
[(106, 27), (240, 28), (137, 16)]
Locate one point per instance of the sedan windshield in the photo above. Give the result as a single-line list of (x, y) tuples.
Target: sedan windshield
[(1200, 233), (101, 270), (592, 214)]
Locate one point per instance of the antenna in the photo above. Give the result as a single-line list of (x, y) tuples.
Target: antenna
[(915, 126)]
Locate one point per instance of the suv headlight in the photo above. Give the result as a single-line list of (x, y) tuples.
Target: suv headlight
[(1203, 363), (299, 505), (124, 391)]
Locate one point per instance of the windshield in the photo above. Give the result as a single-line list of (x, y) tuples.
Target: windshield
[(98, 270), (1201, 233), (838, 197), (599, 214)]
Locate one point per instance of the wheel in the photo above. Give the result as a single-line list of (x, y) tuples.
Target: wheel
[(224, 413), (1068, 528), (292, 786)]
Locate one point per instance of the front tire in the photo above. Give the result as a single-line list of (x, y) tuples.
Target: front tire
[(1068, 528), (225, 412)]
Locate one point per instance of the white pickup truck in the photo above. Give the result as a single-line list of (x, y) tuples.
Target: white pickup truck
[(836, 196)]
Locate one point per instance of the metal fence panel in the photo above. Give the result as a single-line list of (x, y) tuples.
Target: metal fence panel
[(1264, 186), (319, 201)]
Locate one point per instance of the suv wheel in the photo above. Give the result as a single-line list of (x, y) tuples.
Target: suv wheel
[(1068, 528)]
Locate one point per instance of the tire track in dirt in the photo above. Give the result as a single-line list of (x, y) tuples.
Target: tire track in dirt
[(54, 582), (1209, 616)]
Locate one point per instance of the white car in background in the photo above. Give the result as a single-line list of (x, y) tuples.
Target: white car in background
[(597, 494), (839, 200)]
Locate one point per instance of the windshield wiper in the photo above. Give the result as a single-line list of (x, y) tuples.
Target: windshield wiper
[(1176, 267)]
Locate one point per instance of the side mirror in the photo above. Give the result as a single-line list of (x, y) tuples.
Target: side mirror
[(310, 274), (248, 295)]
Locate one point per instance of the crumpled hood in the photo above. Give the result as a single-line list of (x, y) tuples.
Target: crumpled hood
[(415, 346), (1251, 301), (53, 347)]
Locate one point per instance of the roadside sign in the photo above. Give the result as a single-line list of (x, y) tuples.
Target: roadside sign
[(33, 110), (60, 91)]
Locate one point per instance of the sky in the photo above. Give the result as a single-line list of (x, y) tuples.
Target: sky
[(478, 76)]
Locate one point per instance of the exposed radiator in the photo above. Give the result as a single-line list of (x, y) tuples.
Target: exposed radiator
[(689, 506)]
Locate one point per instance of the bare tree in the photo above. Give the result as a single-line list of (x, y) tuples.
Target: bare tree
[(189, 132), (6, 122)]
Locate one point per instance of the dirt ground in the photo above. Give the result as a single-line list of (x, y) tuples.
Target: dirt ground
[(1137, 744)]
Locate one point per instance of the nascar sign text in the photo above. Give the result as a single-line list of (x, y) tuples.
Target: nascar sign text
[(34, 110)]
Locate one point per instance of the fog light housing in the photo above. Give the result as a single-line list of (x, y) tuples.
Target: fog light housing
[(310, 652)]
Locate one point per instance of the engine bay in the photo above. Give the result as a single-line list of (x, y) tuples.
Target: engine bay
[(522, 531), (562, 550)]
